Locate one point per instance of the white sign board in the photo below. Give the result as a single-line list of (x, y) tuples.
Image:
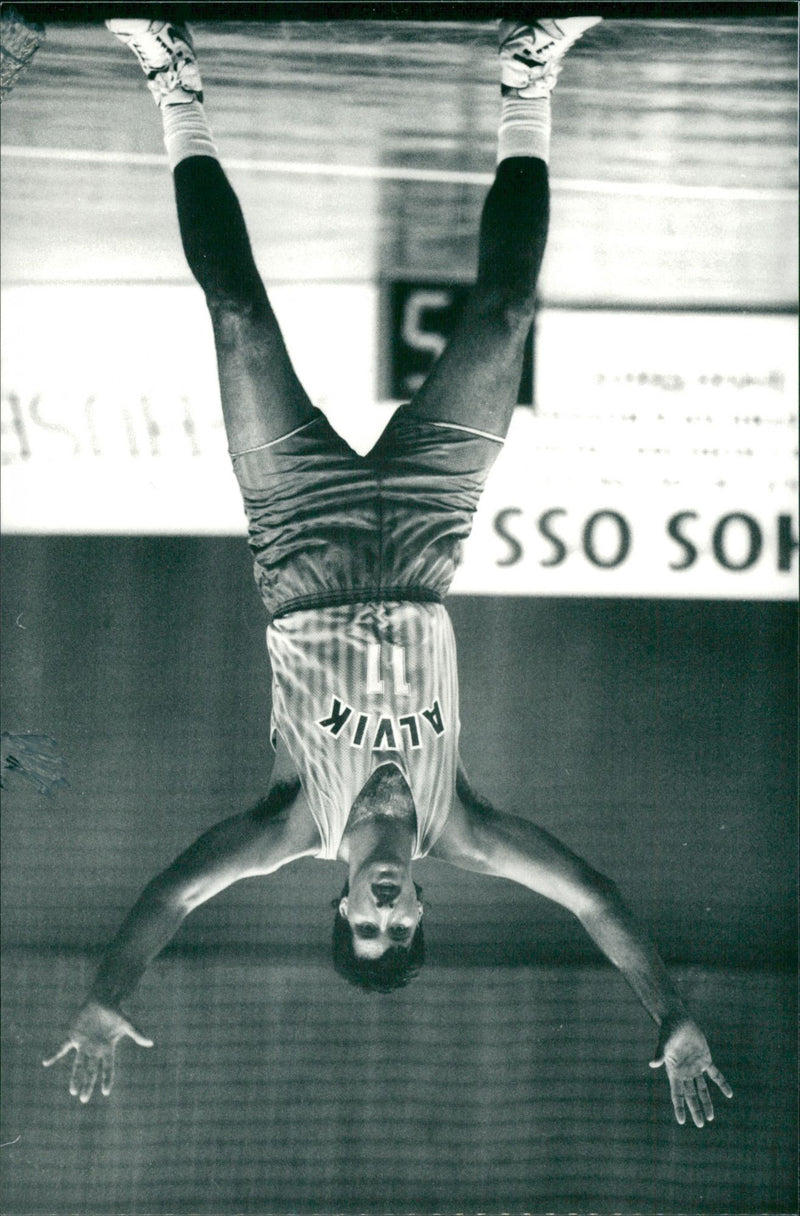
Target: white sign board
[(661, 460)]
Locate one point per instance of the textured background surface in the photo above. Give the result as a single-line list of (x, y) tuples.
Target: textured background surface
[(674, 157), (656, 739), (274, 1088)]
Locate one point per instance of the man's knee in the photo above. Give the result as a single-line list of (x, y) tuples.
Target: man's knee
[(233, 317), (508, 309)]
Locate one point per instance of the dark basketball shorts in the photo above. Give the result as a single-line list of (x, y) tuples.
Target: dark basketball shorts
[(328, 526)]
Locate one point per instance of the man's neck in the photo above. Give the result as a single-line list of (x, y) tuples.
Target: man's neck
[(385, 793), (382, 814)]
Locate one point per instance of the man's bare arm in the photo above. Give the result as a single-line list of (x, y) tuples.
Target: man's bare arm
[(277, 831), (487, 841), (259, 841)]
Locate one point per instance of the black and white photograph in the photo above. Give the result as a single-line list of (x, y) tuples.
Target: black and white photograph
[(399, 609)]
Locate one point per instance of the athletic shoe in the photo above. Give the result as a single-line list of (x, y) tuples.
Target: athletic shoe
[(167, 56), (531, 55)]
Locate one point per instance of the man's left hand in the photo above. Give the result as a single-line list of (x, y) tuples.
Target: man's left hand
[(683, 1049)]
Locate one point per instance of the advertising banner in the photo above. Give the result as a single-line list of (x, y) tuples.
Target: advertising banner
[(660, 458)]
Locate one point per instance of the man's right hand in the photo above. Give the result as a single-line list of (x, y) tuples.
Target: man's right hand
[(94, 1036)]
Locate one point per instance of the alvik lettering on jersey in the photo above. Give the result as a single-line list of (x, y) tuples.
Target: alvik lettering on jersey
[(388, 730)]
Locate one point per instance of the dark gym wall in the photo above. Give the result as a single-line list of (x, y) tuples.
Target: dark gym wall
[(655, 738)]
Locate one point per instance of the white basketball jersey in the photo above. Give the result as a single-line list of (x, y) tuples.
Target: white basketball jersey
[(357, 685)]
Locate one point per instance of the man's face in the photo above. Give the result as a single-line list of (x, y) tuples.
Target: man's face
[(382, 909)]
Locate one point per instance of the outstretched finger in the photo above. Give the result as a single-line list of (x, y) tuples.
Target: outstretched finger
[(705, 1097), (718, 1079), (138, 1037), (76, 1079), (676, 1090), (107, 1078), (62, 1051), (693, 1104), (89, 1079)]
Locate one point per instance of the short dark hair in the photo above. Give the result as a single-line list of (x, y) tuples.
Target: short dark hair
[(395, 967)]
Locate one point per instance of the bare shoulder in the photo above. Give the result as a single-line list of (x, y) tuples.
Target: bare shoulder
[(480, 838)]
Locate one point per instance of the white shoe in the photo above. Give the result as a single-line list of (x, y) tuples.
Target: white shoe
[(531, 55), (167, 57)]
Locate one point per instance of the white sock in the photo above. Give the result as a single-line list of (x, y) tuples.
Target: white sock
[(524, 128), (186, 132)]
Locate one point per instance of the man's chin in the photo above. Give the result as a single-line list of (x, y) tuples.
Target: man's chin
[(368, 955), (387, 871)]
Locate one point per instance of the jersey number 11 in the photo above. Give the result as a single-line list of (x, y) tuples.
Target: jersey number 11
[(398, 664)]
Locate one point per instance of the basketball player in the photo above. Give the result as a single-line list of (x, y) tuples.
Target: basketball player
[(353, 556)]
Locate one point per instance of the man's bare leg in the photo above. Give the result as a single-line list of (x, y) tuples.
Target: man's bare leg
[(262, 398), (476, 381)]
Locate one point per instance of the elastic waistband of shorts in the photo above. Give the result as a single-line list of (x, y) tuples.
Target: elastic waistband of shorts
[(360, 595)]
